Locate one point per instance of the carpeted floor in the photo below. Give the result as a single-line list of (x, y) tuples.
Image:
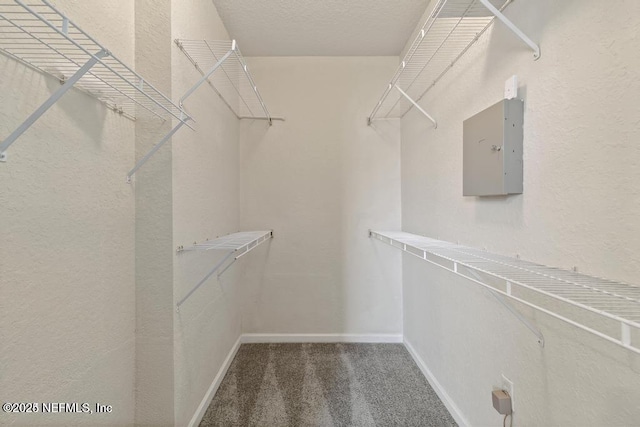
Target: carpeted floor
[(325, 385)]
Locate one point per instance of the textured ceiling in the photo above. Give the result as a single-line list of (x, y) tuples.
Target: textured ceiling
[(320, 27)]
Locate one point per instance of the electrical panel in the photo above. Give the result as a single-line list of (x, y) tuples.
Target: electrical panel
[(492, 150)]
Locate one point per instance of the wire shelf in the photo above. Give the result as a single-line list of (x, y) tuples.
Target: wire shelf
[(450, 30), (617, 301), (242, 241), (39, 35), (232, 81), (239, 243)]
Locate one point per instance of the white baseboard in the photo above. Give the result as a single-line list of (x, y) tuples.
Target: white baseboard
[(208, 397), (437, 387), (320, 338)]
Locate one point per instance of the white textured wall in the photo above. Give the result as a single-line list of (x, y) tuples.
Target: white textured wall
[(67, 240), (321, 179), (579, 208), (205, 205), (154, 226)]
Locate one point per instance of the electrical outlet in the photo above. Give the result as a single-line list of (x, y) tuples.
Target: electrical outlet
[(507, 385)]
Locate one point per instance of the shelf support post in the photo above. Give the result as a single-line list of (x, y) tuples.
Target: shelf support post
[(155, 148), (205, 77), (227, 267), (50, 102), (204, 279), (522, 36), (244, 249), (415, 104), (512, 309), (520, 317)]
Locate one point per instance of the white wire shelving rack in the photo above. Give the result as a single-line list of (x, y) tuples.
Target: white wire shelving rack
[(40, 36), (451, 29), (580, 300), (223, 67), (236, 245)]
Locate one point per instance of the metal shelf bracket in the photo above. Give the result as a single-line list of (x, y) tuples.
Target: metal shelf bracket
[(522, 36), (535, 331), (68, 84), (208, 74), (241, 242), (419, 108), (155, 148)]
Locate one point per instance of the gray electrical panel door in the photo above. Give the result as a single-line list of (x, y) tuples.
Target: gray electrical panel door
[(492, 150)]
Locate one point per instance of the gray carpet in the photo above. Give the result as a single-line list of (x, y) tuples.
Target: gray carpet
[(325, 385)]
